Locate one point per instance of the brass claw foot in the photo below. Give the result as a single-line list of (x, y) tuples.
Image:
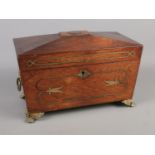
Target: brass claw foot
[(129, 102), (32, 117)]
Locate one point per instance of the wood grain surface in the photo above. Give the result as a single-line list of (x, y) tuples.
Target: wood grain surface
[(70, 70)]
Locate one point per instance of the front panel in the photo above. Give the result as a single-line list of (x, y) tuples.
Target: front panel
[(60, 88)]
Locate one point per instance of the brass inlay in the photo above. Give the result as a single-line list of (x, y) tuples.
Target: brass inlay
[(31, 63), (54, 90), (99, 55), (85, 59), (113, 82)]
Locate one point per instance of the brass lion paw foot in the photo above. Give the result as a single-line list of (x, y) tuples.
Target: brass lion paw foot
[(32, 117), (129, 102)]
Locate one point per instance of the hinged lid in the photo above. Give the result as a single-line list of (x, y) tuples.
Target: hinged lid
[(71, 42)]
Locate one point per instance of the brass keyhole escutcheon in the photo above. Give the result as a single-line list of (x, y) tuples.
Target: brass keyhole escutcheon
[(84, 74)]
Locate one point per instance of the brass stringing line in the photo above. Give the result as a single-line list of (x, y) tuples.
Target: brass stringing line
[(75, 99), (54, 63), (33, 63), (85, 55), (85, 98)]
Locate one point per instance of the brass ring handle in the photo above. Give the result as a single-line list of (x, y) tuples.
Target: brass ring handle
[(19, 84)]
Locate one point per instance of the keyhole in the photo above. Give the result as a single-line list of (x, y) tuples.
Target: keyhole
[(83, 73)]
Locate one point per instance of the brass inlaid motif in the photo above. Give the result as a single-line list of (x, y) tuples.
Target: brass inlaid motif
[(31, 63), (113, 83), (85, 58), (54, 90)]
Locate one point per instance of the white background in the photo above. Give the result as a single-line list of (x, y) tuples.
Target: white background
[(81, 144), (104, 119)]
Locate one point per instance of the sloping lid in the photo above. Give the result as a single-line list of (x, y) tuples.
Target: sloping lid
[(71, 42)]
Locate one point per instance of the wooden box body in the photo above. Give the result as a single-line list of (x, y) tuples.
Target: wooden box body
[(74, 69)]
